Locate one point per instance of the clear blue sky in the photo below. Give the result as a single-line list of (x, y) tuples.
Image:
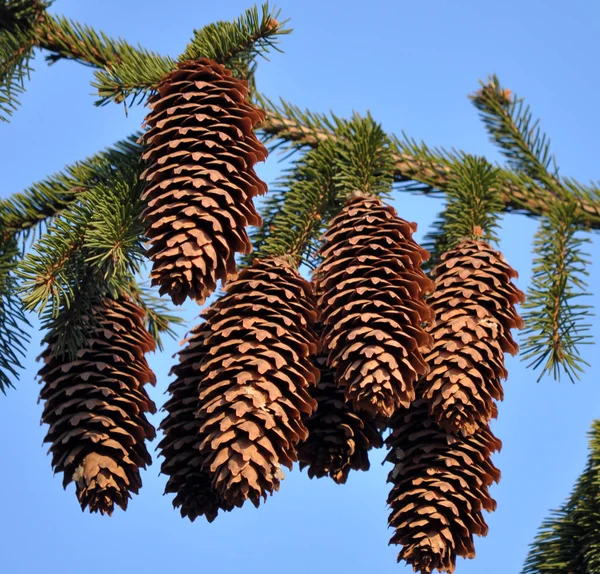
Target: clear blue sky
[(412, 65)]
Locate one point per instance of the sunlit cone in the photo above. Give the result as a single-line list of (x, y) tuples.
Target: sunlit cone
[(474, 304), (255, 383), (439, 489), (370, 290), (96, 407), (200, 180), (339, 439), (180, 447)]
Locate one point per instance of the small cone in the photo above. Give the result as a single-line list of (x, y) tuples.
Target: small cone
[(96, 408), (439, 489), (180, 447), (339, 439), (200, 180), (474, 304), (371, 288), (254, 390)]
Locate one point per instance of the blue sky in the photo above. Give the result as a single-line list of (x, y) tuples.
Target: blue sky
[(412, 65)]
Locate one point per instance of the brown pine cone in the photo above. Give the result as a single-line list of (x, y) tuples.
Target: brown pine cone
[(96, 407), (474, 304), (439, 489), (200, 180), (370, 290), (180, 447), (255, 383), (339, 439)]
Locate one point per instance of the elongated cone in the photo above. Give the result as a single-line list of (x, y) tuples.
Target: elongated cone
[(180, 447), (254, 390), (96, 407), (439, 489), (474, 304), (200, 180), (370, 289), (339, 439)]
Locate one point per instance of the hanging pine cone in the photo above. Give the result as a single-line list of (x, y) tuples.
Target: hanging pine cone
[(180, 446), (255, 379), (339, 439), (474, 304), (200, 179), (371, 288), (440, 487), (96, 407)]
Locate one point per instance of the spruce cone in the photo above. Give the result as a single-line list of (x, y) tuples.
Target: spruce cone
[(339, 439), (200, 179), (474, 304), (256, 378), (180, 446), (370, 287), (440, 487), (96, 407)]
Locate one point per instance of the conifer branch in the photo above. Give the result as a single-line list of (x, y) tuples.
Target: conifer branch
[(432, 168), (357, 158), (125, 73), (99, 236), (47, 198), (236, 43), (413, 162), (568, 542), (17, 42), (472, 208), (556, 324), (13, 323), (511, 126)]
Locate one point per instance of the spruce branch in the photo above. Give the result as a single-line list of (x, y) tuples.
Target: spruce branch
[(555, 321), (13, 323), (99, 236), (47, 198), (17, 42), (357, 158), (294, 216), (432, 168), (510, 123), (125, 73), (238, 43), (473, 202), (568, 542)]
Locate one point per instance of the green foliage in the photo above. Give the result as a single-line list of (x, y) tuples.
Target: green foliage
[(568, 542), (45, 199), (125, 73), (293, 217), (99, 235), (13, 336), (473, 202), (556, 322), (510, 125), (239, 43), (17, 42), (357, 158), (472, 208)]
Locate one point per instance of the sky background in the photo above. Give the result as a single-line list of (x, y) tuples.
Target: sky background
[(412, 65)]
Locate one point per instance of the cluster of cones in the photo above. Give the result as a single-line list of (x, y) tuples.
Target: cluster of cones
[(284, 370)]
